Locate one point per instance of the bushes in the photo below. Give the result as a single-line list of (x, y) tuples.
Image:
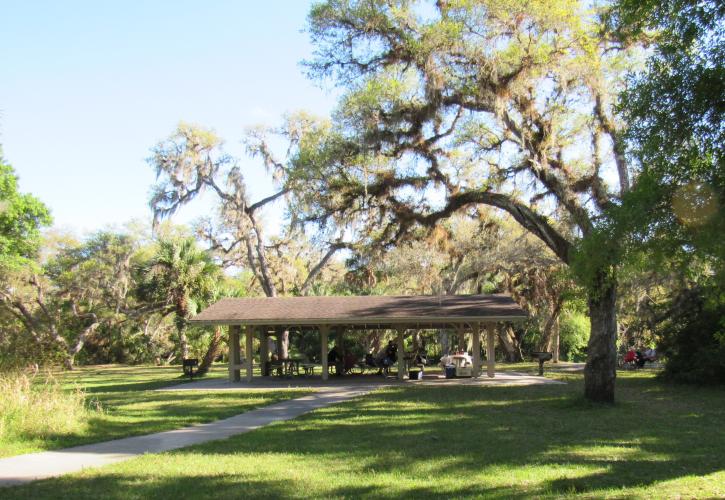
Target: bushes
[(574, 335), (37, 406), (693, 341)]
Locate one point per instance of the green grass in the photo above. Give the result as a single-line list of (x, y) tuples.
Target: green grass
[(658, 441), (121, 401)]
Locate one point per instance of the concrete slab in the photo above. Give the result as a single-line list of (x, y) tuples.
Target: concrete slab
[(25, 468), (350, 382)]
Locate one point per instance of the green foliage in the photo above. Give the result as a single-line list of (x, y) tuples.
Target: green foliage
[(181, 275), (676, 116), (574, 329), (694, 339), (673, 219), (21, 217)]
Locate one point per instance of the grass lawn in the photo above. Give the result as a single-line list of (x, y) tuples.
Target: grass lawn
[(123, 402), (658, 441)]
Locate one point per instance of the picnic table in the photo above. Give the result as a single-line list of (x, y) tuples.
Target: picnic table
[(291, 366), (286, 367)]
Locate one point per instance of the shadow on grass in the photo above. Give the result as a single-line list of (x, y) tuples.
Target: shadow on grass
[(511, 442), (128, 486)]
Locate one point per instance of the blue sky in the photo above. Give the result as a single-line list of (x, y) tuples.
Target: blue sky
[(88, 87)]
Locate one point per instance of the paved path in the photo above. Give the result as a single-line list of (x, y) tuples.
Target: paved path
[(351, 382), (25, 468)]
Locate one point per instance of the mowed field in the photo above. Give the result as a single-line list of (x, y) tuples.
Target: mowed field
[(658, 441)]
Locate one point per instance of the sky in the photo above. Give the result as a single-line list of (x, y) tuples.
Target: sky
[(88, 87)]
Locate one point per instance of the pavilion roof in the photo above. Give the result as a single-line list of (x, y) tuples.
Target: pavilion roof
[(362, 310)]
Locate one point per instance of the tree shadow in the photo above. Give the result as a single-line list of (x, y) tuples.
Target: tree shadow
[(444, 441)]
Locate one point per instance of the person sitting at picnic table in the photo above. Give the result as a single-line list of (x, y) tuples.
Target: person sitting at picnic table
[(640, 359), (391, 354), (386, 357), (650, 355), (630, 357), (349, 362)]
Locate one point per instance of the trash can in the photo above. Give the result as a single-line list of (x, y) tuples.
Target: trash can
[(450, 371), (415, 375)]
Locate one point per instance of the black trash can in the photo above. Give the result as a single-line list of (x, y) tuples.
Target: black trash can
[(415, 374), (450, 371)]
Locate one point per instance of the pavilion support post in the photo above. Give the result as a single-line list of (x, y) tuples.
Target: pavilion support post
[(324, 332), (401, 354), (340, 345), (490, 350), (263, 350), (476, 334), (249, 352), (234, 375)]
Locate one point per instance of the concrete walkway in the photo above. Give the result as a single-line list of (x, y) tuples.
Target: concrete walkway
[(25, 468), (351, 382)]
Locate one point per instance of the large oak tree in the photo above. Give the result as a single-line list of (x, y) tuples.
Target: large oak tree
[(453, 104)]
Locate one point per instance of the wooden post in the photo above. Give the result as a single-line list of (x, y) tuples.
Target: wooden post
[(401, 354), (490, 350), (234, 375), (324, 331), (476, 333), (340, 345), (263, 350), (249, 351)]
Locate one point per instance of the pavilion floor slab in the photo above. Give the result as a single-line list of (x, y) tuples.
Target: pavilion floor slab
[(355, 381)]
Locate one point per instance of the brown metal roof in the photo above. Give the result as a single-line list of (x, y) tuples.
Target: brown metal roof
[(361, 310)]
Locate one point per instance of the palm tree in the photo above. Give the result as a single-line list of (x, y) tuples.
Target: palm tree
[(184, 276)]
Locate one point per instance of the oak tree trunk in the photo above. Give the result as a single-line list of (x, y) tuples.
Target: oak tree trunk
[(510, 344), (551, 321), (600, 371), (555, 342), (212, 353), (443, 339), (283, 344), (416, 340)]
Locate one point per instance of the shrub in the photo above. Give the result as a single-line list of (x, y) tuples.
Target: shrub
[(37, 406), (693, 341), (574, 335)]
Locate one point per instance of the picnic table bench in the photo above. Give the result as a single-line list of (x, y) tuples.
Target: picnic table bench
[(541, 357)]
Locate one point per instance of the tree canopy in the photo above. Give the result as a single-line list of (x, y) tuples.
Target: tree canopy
[(448, 106), (21, 218)]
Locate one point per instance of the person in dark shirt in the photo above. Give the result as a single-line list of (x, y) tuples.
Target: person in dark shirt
[(334, 359), (391, 354)]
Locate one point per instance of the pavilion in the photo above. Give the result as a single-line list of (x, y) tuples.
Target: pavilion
[(267, 316)]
